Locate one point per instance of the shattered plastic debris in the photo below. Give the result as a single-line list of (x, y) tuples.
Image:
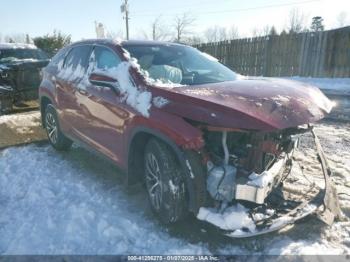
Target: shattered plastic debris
[(262, 180), (233, 218), (262, 216), (174, 189)]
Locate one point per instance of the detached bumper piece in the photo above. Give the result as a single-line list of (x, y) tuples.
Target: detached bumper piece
[(270, 209)]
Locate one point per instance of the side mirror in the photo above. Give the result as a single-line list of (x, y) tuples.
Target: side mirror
[(104, 81)]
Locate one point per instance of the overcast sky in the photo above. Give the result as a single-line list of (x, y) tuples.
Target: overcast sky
[(76, 17)]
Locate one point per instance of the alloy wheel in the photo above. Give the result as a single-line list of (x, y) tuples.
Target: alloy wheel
[(153, 180), (51, 127)]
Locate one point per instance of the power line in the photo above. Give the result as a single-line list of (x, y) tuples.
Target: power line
[(238, 10), (182, 6)]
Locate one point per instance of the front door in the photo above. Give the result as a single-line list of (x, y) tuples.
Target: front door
[(106, 110)]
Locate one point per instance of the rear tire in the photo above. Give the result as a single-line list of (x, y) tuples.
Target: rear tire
[(56, 138), (165, 182)]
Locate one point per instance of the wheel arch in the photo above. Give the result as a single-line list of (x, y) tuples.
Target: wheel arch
[(44, 101), (195, 179)]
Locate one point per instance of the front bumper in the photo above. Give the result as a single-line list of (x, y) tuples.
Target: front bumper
[(321, 201)]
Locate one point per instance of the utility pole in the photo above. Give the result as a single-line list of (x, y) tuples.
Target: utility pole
[(125, 9)]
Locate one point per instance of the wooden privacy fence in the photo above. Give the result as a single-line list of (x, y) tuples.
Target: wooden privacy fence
[(316, 54)]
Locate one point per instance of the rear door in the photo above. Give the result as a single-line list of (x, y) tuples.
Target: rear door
[(71, 90)]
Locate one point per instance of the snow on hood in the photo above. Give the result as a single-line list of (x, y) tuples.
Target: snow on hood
[(16, 60), (3, 67), (17, 46)]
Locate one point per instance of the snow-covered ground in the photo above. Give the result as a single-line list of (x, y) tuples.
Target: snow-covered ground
[(336, 89), (75, 203), (328, 85)]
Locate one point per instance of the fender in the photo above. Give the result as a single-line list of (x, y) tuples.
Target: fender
[(189, 159), (44, 94)]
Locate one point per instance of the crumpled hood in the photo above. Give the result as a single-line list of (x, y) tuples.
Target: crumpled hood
[(251, 103)]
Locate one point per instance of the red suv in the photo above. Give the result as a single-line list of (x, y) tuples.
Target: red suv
[(202, 138)]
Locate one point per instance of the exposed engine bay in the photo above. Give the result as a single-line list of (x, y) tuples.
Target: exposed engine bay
[(247, 180)]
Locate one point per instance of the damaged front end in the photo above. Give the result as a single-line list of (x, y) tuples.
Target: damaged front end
[(6, 98), (19, 82), (250, 182)]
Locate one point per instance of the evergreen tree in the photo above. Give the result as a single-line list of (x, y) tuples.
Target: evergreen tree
[(28, 39), (273, 31), (52, 43), (284, 32), (317, 24)]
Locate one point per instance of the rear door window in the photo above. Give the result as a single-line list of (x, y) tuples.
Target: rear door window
[(78, 56), (76, 63)]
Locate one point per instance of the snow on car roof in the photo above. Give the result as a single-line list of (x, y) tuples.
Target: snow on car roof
[(147, 42), (16, 46), (123, 42)]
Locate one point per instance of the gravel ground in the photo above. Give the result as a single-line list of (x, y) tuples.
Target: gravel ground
[(18, 129), (75, 203)]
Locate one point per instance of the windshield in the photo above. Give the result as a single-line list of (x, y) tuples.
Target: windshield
[(8, 55), (180, 64)]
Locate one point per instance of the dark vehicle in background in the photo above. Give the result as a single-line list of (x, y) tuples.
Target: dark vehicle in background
[(201, 138), (20, 73)]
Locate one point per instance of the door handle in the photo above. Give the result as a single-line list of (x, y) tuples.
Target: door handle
[(82, 91)]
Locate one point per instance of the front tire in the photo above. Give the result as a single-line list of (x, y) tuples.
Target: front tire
[(56, 138), (165, 182)]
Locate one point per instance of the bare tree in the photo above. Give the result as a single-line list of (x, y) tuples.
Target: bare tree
[(255, 32), (182, 24), (342, 19), (15, 38), (296, 21), (232, 32), (160, 31), (219, 33), (215, 34), (194, 40), (263, 31), (115, 35)]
